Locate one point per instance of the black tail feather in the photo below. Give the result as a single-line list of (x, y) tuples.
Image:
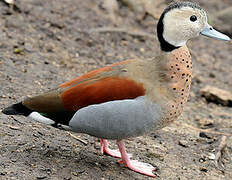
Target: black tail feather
[(17, 109)]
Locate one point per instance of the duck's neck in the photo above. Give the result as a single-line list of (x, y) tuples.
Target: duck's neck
[(180, 74)]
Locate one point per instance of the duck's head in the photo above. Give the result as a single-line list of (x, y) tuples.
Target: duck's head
[(182, 21)]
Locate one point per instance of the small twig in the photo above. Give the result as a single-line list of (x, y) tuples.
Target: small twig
[(122, 30), (17, 120), (78, 139), (220, 150), (13, 127)]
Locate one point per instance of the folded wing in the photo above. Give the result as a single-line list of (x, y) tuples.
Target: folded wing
[(103, 85)]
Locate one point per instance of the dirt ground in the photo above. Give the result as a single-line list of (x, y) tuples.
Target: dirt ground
[(44, 43)]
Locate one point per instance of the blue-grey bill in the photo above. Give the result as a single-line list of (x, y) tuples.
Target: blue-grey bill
[(211, 32)]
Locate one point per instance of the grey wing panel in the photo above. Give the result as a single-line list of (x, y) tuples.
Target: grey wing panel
[(117, 119)]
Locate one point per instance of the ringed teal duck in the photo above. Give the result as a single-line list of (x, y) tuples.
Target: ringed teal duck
[(132, 97)]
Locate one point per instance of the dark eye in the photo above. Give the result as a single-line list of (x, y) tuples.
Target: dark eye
[(193, 18)]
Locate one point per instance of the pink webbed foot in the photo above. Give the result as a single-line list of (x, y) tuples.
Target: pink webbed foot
[(106, 150), (142, 168), (111, 152)]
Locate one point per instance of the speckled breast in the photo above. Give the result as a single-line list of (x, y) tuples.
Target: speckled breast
[(179, 73)]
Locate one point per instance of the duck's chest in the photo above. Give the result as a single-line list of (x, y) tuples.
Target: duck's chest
[(179, 75)]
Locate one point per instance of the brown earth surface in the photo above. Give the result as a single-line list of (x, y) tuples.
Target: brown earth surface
[(44, 43)]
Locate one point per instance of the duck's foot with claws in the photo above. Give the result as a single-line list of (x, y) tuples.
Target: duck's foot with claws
[(140, 167)]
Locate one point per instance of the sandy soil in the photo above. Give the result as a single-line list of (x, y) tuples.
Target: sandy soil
[(44, 43)]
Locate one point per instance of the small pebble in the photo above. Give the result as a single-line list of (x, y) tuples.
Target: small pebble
[(2, 173), (204, 135), (203, 169), (201, 160), (211, 156), (183, 143), (18, 50), (184, 168)]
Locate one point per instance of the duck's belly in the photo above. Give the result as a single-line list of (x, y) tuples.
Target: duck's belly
[(117, 119)]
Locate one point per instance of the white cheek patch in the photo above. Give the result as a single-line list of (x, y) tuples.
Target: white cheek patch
[(178, 28)]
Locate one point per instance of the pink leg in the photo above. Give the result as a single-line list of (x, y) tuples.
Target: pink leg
[(142, 168), (106, 150)]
